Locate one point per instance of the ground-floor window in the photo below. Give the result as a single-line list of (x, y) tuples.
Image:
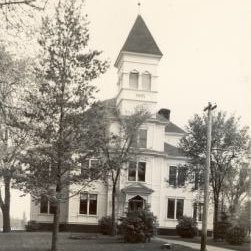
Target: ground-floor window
[(88, 204), (46, 207), (175, 208), (198, 211)]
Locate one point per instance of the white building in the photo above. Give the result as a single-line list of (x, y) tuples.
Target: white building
[(157, 177)]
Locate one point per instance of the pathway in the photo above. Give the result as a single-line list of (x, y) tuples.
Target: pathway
[(192, 245)]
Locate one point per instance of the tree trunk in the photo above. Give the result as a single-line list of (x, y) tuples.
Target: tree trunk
[(113, 210), (6, 206), (54, 243), (6, 220), (216, 213)]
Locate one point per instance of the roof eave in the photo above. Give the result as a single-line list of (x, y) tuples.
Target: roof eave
[(121, 53)]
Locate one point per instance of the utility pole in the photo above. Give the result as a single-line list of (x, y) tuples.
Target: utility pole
[(209, 108)]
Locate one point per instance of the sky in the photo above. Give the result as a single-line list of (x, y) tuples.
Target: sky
[(206, 47), (206, 54)]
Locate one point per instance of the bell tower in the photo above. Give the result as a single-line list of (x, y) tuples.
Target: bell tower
[(137, 65)]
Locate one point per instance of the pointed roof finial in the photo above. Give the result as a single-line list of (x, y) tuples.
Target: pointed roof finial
[(139, 5)]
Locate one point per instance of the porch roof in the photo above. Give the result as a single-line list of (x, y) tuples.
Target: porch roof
[(137, 188)]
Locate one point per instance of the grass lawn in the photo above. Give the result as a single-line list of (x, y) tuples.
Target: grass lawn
[(210, 241), (40, 241)]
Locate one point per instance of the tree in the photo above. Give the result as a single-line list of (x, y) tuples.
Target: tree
[(12, 138), (118, 147), (235, 189), (229, 145), (15, 13), (17, 2), (245, 216), (63, 127)]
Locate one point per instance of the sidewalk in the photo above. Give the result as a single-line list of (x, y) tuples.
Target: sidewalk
[(192, 245)]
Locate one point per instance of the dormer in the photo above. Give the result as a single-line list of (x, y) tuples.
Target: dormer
[(137, 65)]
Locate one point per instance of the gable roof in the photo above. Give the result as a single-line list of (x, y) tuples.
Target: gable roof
[(172, 150), (140, 40), (171, 127)]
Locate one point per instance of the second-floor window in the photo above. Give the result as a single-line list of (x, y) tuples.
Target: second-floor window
[(89, 168), (134, 80), (88, 204), (140, 140), (137, 171), (46, 207), (175, 208), (198, 180), (177, 176)]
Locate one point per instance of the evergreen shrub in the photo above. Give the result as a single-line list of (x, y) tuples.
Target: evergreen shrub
[(105, 225), (32, 226), (235, 235), (138, 226), (187, 227)]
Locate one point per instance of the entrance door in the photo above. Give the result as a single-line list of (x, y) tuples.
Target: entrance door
[(136, 203)]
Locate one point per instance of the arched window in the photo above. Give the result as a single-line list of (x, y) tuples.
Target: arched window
[(146, 81), (134, 80)]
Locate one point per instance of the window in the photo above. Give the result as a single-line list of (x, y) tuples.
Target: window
[(89, 168), (46, 207), (137, 171), (179, 208), (133, 80), (198, 211), (175, 208), (177, 176), (198, 180), (141, 171), (181, 176), (171, 208), (132, 171), (140, 140), (172, 175), (146, 81), (88, 204)]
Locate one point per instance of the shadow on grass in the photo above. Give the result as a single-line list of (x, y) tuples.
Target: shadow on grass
[(41, 241)]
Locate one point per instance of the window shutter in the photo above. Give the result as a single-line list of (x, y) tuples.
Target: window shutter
[(172, 175)]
